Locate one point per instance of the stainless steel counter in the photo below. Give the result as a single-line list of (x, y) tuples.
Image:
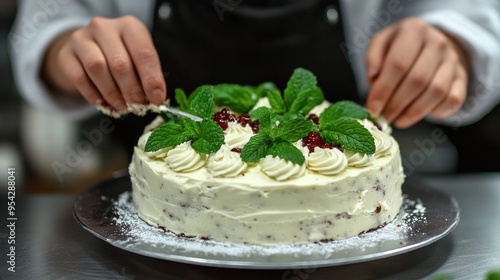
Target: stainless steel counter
[(51, 245)]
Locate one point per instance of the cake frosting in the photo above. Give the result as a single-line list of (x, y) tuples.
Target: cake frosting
[(333, 195), (276, 174)]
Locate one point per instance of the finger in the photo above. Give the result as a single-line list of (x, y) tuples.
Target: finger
[(75, 73), (377, 50), (400, 58), (417, 80), (455, 98), (96, 67), (146, 60), (437, 91), (121, 67)]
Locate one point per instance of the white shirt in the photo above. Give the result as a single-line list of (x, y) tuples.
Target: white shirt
[(476, 25)]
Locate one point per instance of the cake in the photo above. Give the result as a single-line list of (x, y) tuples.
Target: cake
[(267, 168)]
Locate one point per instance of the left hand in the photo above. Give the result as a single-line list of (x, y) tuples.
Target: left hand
[(415, 69)]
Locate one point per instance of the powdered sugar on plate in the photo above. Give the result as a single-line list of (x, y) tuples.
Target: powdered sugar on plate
[(139, 232)]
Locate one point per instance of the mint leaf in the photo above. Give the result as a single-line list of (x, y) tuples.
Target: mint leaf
[(301, 82), (264, 87), (240, 99), (286, 151), (202, 104), (276, 100), (256, 148), (314, 98), (191, 128), (166, 135), (350, 134), (293, 130), (182, 100), (288, 116), (299, 103), (342, 109), (265, 117), (210, 139), (493, 275)]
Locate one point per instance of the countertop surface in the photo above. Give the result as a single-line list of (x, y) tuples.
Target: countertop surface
[(50, 244)]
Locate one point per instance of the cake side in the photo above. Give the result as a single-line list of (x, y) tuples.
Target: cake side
[(256, 209)]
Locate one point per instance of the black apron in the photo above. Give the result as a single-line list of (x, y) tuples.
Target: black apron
[(210, 42), (254, 42)]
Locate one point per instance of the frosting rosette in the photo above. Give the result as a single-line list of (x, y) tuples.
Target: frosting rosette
[(225, 163), (383, 142), (236, 136), (281, 169), (358, 159), (183, 158), (327, 161)]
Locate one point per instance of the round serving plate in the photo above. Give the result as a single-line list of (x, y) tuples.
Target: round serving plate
[(107, 211)]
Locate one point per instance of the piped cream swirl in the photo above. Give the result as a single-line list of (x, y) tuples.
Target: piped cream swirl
[(327, 161), (160, 154), (225, 163), (236, 136), (383, 142), (358, 159), (281, 169), (183, 158)]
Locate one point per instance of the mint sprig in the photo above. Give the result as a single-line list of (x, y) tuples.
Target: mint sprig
[(182, 100), (202, 104), (287, 151), (274, 139), (256, 148), (302, 92), (342, 109), (314, 97), (209, 139), (265, 116), (350, 134), (166, 135), (276, 101), (206, 136), (240, 99), (292, 130)]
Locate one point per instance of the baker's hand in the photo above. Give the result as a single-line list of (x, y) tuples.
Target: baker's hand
[(110, 61), (415, 70)]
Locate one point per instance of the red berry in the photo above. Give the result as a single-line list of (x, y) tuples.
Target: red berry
[(313, 140), (236, 150), (255, 126), (314, 118), (223, 125), (223, 117), (326, 146), (244, 120)]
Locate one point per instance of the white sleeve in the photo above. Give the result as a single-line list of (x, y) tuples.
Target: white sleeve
[(476, 26), (37, 24)]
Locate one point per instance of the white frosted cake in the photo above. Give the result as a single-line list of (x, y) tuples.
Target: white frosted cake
[(278, 175)]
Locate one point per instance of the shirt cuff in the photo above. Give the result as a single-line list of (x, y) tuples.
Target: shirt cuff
[(30, 54)]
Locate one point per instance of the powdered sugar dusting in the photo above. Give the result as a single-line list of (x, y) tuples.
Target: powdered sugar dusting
[(139, 232)]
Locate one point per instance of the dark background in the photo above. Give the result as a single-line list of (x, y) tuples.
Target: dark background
[(472, 149)]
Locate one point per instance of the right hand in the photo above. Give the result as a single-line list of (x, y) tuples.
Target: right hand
[(111, 62)]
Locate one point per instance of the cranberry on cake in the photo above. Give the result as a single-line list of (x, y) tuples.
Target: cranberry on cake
[(267, 168)]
